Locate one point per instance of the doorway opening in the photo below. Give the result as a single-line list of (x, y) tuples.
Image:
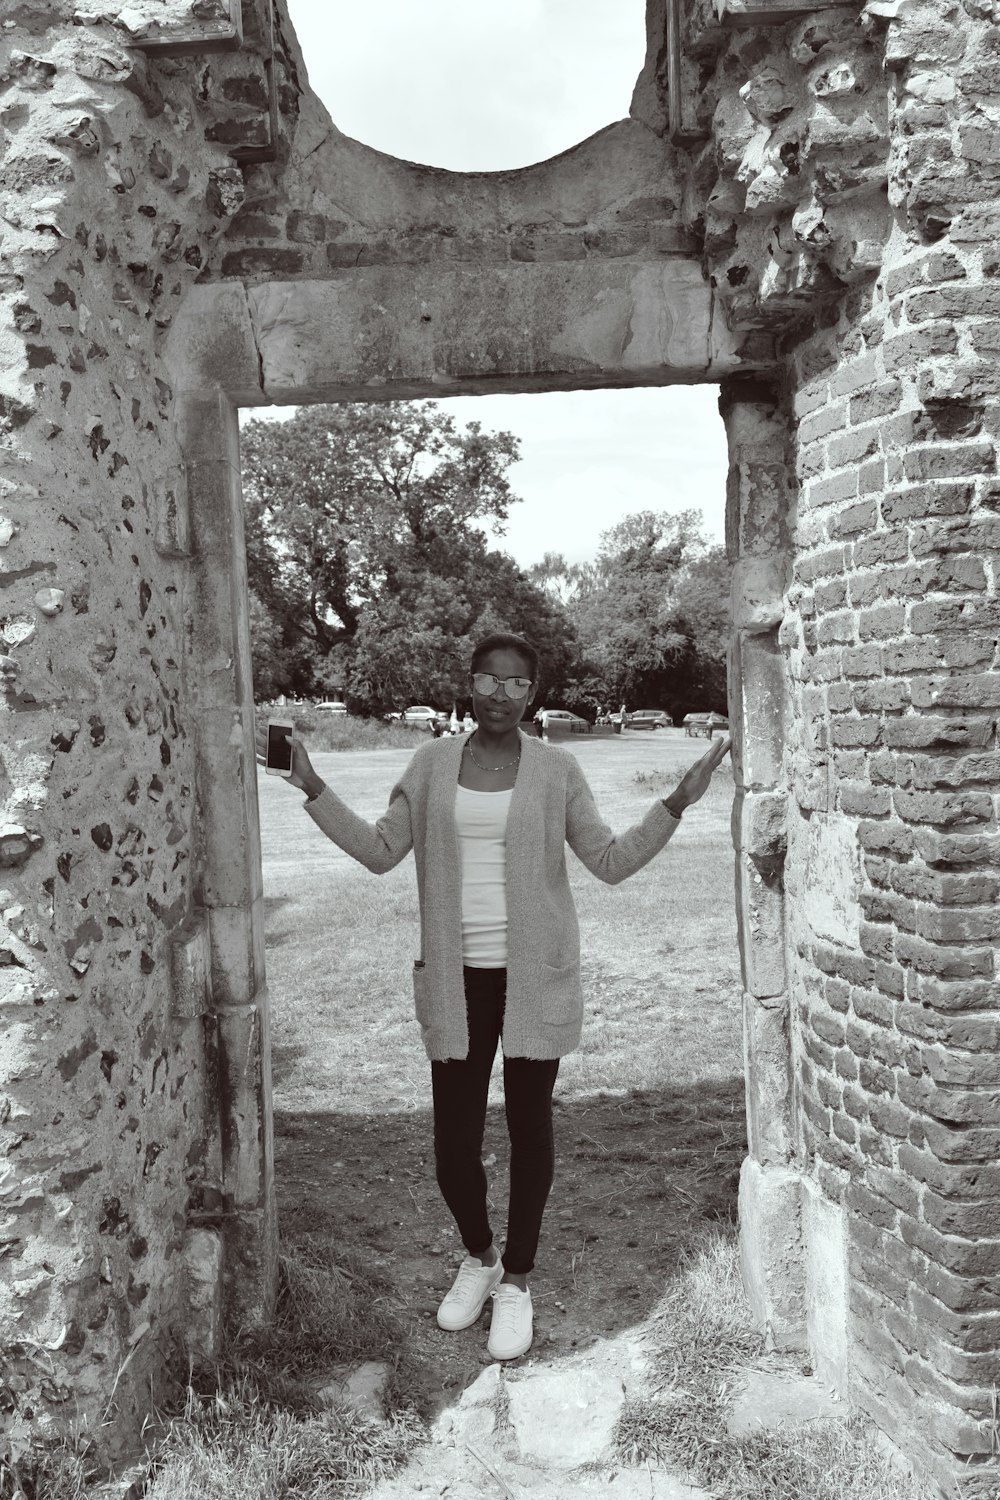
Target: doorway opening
[(649, 1135)]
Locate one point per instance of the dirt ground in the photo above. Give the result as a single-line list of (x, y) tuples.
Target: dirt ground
[(637, 1177)]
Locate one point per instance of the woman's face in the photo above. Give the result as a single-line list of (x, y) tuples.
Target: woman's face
[(495, 711)]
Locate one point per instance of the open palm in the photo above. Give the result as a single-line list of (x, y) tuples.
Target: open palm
[(697, 778)]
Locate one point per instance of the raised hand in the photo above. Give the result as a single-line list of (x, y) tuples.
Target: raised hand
[(303, 775), (696, 779)]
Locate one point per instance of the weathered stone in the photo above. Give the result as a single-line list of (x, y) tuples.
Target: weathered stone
[(774, 1402), (827, 1289), (362, 1388), (767, 1052), (758, 593), (202, 1262), (191, 969), (565, 1416), (832, 878), (771, 1252)]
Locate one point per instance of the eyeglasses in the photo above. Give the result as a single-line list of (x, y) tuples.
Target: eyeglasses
[(487, 684)]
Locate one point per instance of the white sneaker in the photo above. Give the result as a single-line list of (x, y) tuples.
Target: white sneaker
[(510, 1327), (469, 1294)]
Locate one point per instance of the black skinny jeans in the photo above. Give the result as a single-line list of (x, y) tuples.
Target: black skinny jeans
[(461, 1087)]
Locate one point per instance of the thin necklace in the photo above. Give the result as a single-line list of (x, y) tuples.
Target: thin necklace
[(506, 765)]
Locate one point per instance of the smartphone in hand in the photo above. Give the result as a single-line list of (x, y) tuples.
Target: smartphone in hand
[(278, 760)]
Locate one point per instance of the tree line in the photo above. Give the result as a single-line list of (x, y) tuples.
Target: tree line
[(371, 571)]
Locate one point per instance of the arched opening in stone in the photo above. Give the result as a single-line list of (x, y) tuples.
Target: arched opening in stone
[(500, 86)]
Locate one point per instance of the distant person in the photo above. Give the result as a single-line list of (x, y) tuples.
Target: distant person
[(500, 950), (468, 722)]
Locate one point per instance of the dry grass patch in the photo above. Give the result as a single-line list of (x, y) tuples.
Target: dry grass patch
[(704, 1341), (252, 1426)]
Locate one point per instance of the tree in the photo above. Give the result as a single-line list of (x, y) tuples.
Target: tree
[(423, 629), (703, 610), (560, 580), (639, 609), (366, 546)]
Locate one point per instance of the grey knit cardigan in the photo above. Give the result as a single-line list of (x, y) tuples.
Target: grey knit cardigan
[(552, 805)]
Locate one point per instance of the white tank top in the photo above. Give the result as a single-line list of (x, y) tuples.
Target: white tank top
[(482, 840)]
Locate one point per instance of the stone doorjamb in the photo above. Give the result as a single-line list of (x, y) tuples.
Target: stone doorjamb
[(379, 334)]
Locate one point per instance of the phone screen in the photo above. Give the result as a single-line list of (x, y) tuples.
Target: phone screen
[(279, 749)]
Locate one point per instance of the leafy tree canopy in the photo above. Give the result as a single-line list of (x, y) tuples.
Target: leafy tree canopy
[(367, 553), (650, 612)]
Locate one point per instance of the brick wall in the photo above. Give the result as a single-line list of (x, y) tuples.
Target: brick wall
[(883, 1156), (891, 643)]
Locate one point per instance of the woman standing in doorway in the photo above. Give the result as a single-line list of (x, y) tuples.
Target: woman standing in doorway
[(488, 816)]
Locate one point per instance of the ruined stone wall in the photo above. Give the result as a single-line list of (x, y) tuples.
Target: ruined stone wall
[(871, 1203), (186, 230), (893, 647), (112, 196)]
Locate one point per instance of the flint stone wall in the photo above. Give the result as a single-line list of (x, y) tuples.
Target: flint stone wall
[(810, 222)]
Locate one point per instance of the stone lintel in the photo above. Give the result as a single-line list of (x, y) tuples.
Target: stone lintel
[(401, 332), (211, 345), (408, 332), (775, 12)]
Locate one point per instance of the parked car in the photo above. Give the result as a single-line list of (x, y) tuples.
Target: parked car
[(332, 707), (561, 718), (705, 724), (418, 713), (648, 718)]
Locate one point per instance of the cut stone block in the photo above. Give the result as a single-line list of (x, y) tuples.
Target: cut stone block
[(824, 1236), (758, 593), (771, 1251), (191, 968), (770, 1402), (832, 879), (761, 928), (201, 1327), (767, 1061), (757, 697), (565, 1417)]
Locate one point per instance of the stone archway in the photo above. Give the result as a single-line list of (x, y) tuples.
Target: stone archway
[(375, 334)]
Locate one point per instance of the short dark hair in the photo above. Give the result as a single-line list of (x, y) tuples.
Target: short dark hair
[(501, 642)]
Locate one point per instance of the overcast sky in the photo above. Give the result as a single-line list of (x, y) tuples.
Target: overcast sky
[(482, 85)]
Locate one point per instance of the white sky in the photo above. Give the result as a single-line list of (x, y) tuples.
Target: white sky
[(482, 85)]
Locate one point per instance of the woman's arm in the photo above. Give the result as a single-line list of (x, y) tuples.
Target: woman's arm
[(613, 857), (378, 846)]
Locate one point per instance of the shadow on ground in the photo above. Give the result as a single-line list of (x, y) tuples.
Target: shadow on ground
[(639, 1177)]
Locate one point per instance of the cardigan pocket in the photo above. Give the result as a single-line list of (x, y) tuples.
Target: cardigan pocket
[(421, 992), (562, 1001)]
